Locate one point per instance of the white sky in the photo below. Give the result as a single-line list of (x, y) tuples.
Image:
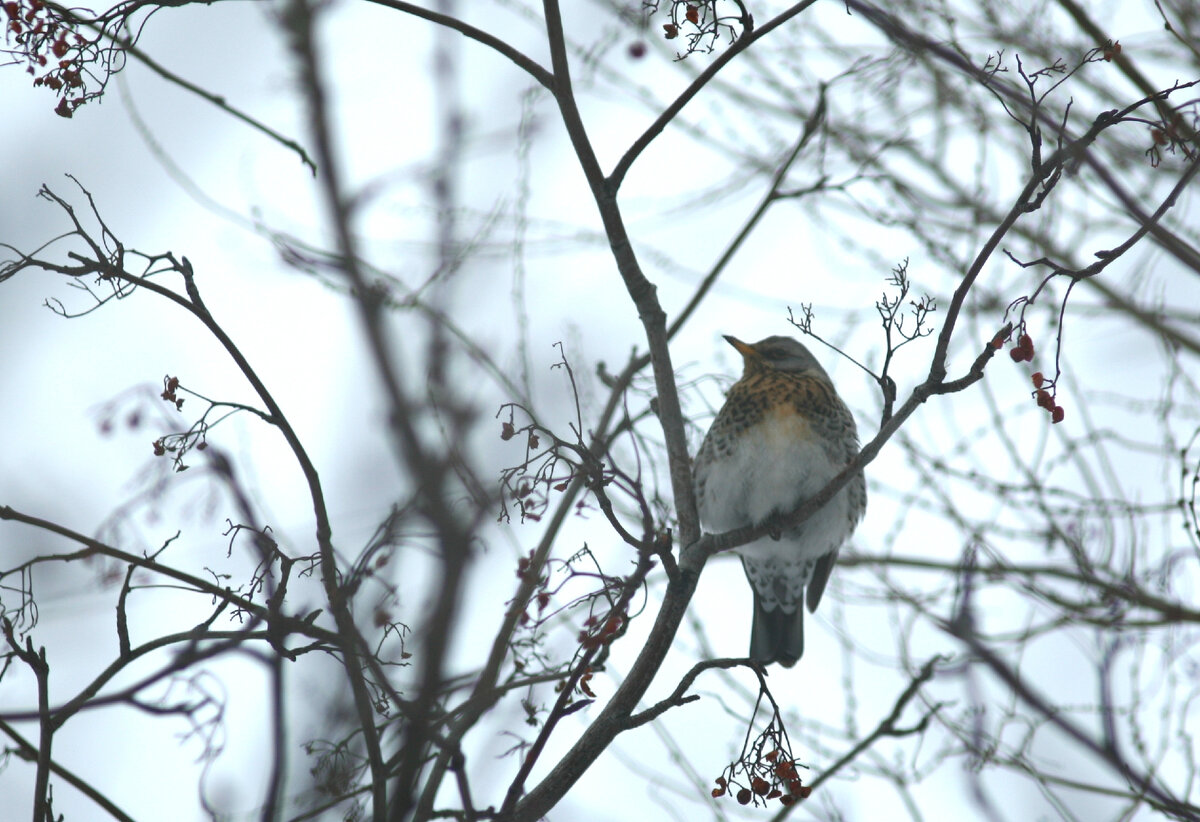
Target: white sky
[(57, 373)]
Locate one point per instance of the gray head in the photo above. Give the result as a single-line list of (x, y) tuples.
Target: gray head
[(779, 354)]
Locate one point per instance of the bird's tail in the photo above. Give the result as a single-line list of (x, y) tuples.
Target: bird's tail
[(776, 636)]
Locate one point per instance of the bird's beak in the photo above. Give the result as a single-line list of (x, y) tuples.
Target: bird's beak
[(745, 349)]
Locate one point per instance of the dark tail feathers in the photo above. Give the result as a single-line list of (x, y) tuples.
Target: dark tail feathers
[(776, 636)]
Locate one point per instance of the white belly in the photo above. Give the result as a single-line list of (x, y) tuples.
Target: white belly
[(770, 470)]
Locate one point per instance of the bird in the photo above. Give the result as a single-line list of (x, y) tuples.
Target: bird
[(781, 436)]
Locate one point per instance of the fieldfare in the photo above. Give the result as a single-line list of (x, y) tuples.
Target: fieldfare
[(781, 436)]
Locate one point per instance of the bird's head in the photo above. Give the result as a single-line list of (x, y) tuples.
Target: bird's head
[(778, 354)]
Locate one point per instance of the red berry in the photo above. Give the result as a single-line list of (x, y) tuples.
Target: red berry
[(1037, 379), (1017, 354), (743, 796), (1056, 416), (637, 50), (1044, 400)]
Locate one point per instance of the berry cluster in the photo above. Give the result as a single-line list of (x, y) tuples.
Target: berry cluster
[(782, 774), (699, 24), (1023, 350), (179, 444), (524, 566), (1044, 398), (691, 13), (47, 41), (1044, 390), (599, 631), (170, 387)]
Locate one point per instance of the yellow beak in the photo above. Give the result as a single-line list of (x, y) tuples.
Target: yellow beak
[(745, 349)]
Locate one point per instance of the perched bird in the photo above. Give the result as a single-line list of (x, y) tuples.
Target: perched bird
[(781, 436)]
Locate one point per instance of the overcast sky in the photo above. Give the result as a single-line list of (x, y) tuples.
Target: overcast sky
[(172, 173)]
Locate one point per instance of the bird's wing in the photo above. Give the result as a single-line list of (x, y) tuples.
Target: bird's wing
[(820, 577)]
